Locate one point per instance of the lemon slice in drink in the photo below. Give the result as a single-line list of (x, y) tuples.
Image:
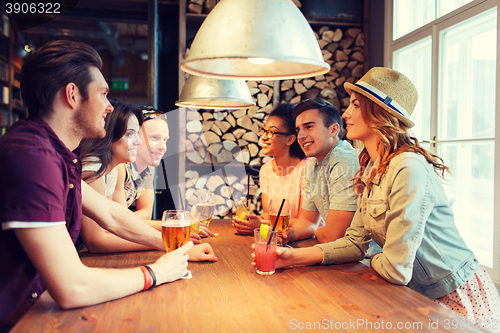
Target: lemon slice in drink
[(264, 228)]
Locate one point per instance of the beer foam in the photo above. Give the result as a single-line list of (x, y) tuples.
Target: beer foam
[(175, 223)]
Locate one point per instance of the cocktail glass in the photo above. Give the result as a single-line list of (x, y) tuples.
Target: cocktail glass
[(265, 254), (241, 208)]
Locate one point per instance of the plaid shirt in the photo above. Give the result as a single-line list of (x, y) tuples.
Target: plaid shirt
[(135, 182)]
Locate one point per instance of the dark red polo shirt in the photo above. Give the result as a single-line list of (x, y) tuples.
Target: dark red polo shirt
[(40, 181)]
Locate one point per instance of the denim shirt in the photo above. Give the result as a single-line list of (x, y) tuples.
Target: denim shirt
[(407, 213)]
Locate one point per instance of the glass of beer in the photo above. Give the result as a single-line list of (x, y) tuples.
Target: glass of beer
[(265, 254), (274, 207), (175, 228), (205, 207)]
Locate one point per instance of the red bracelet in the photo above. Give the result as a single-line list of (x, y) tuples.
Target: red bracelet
[(147, 278)]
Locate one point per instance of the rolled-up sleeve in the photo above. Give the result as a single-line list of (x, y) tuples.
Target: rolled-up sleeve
[(350, 248)]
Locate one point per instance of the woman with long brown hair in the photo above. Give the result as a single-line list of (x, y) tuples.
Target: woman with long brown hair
[(402, 206)]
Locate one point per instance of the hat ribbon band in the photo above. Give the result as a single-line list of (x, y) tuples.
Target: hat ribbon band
[(383, 98)]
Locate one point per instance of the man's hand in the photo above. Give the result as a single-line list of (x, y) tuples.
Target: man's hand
[(173, 265), (284, 257), (202, 252), (285, 236)]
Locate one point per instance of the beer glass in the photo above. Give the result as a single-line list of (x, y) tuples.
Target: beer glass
[(274, 207), (175, 228)]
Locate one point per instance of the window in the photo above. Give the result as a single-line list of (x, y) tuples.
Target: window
[(466, 126), (415, 62), (448, 48), (410, 15)]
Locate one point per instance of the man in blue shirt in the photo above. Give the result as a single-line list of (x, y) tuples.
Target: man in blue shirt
[(328, 175)]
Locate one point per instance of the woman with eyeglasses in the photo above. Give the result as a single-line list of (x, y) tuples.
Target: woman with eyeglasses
[(281, 177)]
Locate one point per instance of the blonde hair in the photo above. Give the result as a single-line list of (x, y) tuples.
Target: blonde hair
[(394, 139)]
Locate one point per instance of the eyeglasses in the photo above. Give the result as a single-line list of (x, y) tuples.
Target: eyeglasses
[(270, 134)]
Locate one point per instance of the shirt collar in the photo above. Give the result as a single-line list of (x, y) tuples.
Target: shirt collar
[(135, 173), (327, 157), (68, 155), (369, 167)]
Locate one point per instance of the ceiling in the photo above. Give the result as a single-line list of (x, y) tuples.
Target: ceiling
[(115, 26)]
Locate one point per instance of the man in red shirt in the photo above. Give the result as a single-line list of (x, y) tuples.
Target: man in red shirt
[(42, 195)]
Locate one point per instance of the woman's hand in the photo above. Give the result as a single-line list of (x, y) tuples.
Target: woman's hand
[(195, 238), (204, 231), (247, 227), (202, 252), (172, 265)]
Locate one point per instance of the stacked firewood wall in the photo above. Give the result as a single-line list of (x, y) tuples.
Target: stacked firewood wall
[(218, 138), (227, 140), (344, 51)]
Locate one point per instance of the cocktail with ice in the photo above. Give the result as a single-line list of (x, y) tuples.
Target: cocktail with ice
[(265, 251)]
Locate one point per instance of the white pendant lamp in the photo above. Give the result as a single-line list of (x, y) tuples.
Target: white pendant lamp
[(206, 93), (255, 40)]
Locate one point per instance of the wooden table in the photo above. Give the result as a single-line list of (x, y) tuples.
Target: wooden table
[(228, 296)]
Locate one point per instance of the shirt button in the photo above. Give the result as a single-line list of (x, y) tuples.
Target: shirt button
[(71, 186), (74, 160), (34, 295)]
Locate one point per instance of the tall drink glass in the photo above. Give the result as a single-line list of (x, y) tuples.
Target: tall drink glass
[(242, 208), (265, 255), (284, 220), (205, 207), (175, 228)]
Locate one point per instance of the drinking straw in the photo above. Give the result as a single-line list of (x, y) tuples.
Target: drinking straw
[(276, 221), (180, 198), (248, 187)]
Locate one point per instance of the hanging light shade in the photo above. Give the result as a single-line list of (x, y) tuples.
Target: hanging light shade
[(255, 40), (207, 93)]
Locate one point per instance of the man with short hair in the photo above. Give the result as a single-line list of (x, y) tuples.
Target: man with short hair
[(42, 195), (138, 177), (328, 174)]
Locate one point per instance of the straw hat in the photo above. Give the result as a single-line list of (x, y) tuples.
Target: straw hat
[(390, 89)]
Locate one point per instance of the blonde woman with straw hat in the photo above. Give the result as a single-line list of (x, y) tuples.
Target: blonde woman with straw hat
[(402, 206)]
